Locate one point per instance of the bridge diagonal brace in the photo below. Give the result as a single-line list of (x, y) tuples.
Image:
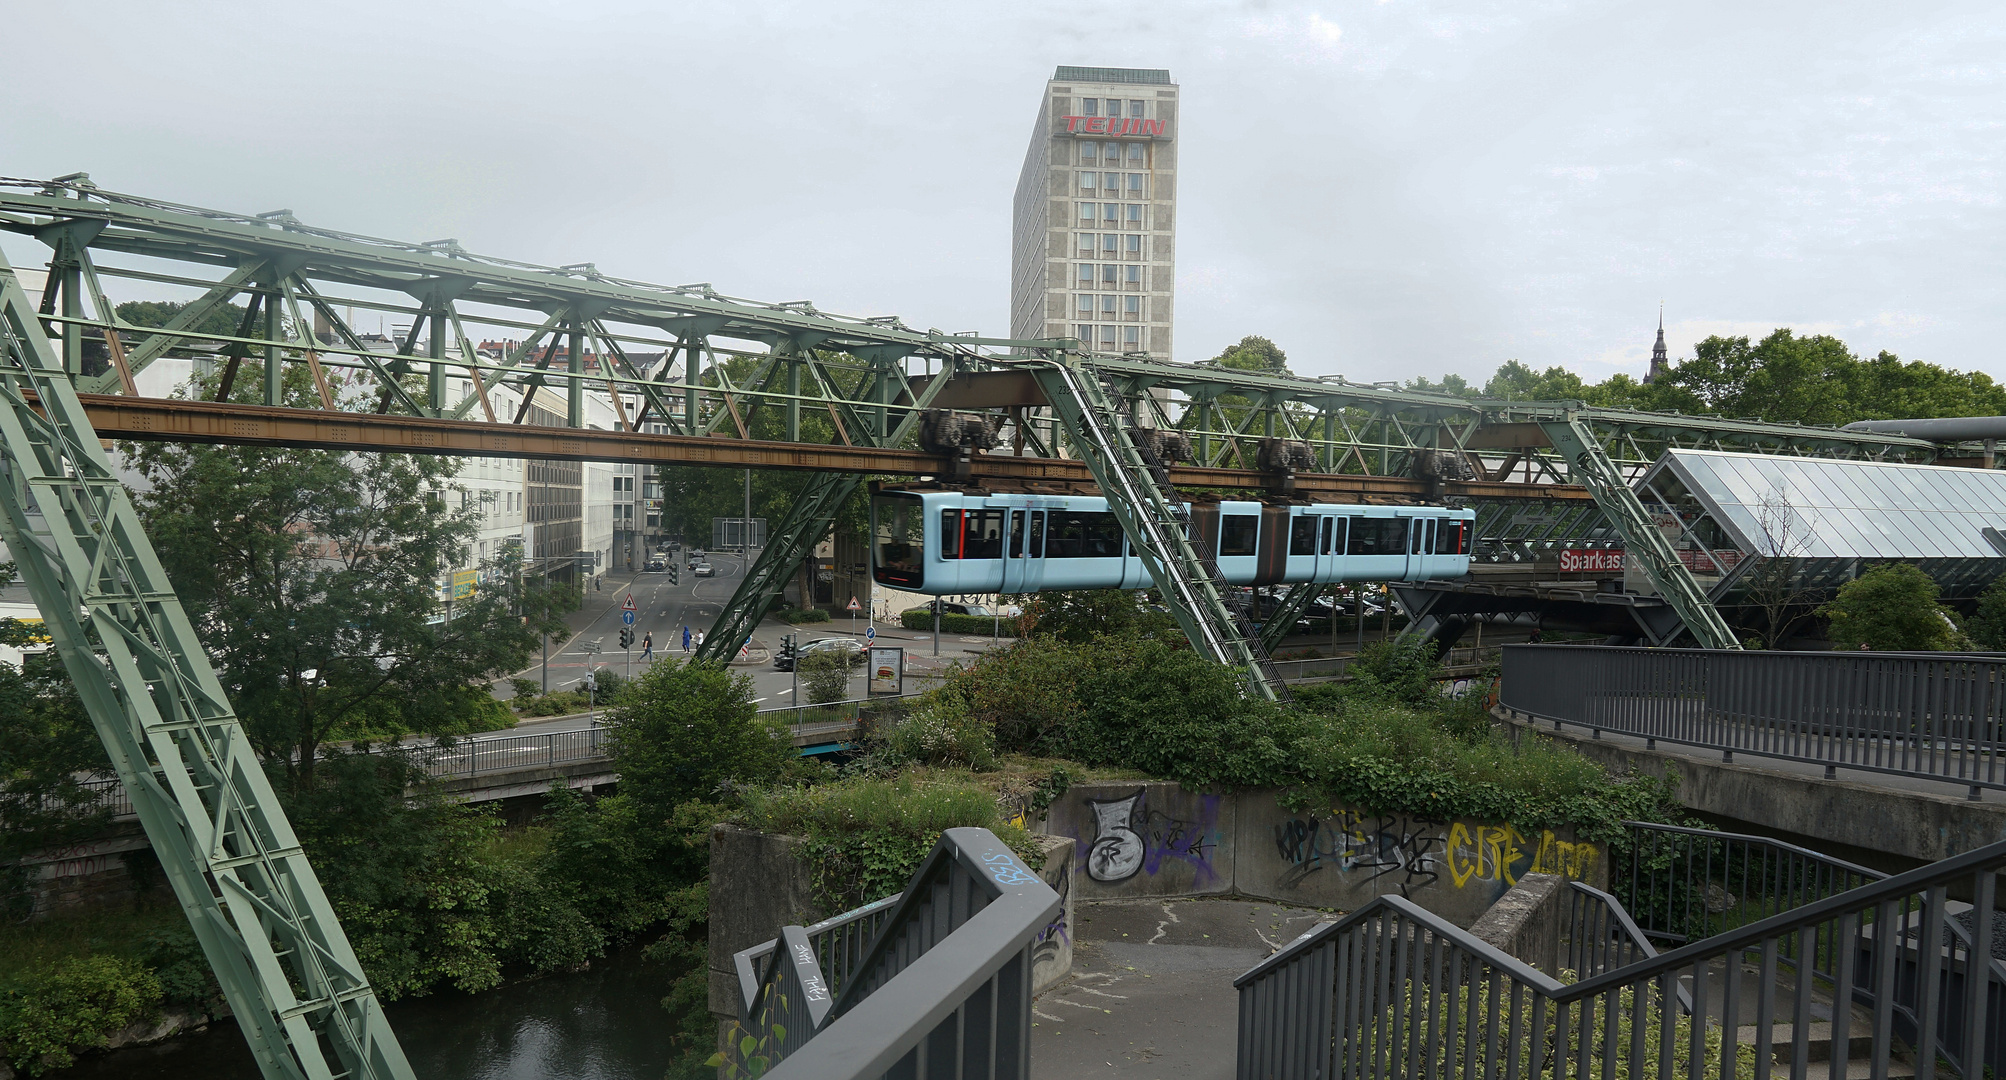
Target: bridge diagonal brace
[(1589, 465), (808, 520), (1294, 602), (1156, 523), (158, 707)]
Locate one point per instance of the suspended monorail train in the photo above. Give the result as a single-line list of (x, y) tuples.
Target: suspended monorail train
[(948, 542)]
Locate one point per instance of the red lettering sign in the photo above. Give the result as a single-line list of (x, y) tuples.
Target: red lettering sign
[(1115, 126), (1591, 560)]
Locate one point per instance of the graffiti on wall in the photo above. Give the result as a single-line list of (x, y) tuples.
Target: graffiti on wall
[(1050, 943), (1500, 853), (1130, 838), (1380, 845), (1415, 853)]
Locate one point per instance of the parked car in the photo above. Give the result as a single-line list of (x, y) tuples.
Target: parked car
[(704, 569), (948, 607), (784, 660)]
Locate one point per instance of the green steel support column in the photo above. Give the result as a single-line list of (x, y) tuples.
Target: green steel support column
[(574, 394), (270, 936), (1153, 522), (273, 384), (691, 346), (69, 274), (793, 399), (435, 378), (1588, 464), (808, 521)]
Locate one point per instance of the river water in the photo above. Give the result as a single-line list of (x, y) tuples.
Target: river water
[(604, 1023)]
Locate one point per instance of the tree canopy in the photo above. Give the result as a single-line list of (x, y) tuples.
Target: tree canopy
[(1783, 378), (1891, 608)]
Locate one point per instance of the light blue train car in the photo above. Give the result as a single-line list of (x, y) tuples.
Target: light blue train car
[(949, 542)]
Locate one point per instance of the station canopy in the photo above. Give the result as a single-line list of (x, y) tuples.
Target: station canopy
[(1827, 519)]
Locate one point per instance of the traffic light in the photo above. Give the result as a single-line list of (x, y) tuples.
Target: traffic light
[(626, 637), (787, 644), (675, 574)]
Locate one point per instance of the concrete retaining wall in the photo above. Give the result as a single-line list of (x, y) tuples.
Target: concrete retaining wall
[(1157, 839)]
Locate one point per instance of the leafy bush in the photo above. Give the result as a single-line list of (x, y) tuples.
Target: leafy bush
[(825, 676), (1402, 669), (74, 1003), (866, 836), (797, 616), (937, 730), (922, 619), (1083, 615), (684, 728), (1891, 607)]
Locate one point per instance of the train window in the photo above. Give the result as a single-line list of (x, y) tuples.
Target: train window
[(1302, 535), (1333, 535), (899, 541), (971, 534), (1452, 538), (1037, 549), (1238, 534), (1073, 534), (1415, 547), (1377, 536)]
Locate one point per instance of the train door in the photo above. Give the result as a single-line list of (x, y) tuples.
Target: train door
[(1329, 548), (1024, 551), (1425, 562)]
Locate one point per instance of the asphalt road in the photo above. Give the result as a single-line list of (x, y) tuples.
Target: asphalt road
[(664, 609)]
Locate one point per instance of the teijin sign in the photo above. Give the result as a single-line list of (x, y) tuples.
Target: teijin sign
[(1114, 125)]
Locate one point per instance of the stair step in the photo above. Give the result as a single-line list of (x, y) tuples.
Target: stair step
[(1860, 1048), (1856, 1069)]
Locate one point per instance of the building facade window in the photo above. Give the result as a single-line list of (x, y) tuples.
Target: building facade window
[(1083, 332), (1111, 181), (1086, 273), (1111, 242), (1135, 154), (1107, 337), (1087, 181), (1087, 211), (1087, 244), (1089, 154), (1111, 153), (1090, 106), (1086, 304), (1131, 336), (1135, 213), (1114, 106), (1135, 108), (1135, 246), (1109, 271), (1111, 211), (1107, 306), (1134, 275), (1130, 304), (1135, 184)]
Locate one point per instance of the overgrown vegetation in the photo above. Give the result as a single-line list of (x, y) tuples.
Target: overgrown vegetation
[(1891, 607)]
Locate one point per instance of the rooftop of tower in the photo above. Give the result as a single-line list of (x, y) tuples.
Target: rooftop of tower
[(1159, 76)]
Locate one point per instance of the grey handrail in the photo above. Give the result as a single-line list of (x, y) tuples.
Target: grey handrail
[(957, 938)]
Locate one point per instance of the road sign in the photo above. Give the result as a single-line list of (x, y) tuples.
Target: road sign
[(854, 606), (629, 605), (627, 616), (871, 633)]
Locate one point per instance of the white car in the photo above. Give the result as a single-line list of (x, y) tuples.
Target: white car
[(704, 569)]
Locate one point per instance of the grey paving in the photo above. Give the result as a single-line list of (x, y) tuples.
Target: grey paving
[(1151, 994)]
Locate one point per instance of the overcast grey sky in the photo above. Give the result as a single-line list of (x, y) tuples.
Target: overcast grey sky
[(1385, 189)]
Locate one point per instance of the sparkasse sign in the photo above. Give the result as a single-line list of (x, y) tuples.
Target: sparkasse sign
[(1114, 125)]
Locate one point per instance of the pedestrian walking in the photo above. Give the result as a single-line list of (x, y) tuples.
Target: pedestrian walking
[(699, 639), (648, 646), (686, 639)]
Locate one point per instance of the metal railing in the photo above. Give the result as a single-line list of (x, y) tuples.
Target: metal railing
[(1394, 990), (943, 988), (1933, 716), (1681, 884), (1338, 666)]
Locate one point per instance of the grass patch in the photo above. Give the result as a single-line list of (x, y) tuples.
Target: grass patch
[(866, 835)]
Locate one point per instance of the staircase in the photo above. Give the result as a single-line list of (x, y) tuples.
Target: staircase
[(1214, 615)]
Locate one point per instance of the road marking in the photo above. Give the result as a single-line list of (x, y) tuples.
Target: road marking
[(757, 700)]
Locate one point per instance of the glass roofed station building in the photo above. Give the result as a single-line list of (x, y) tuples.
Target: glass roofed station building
[(1755, 523)]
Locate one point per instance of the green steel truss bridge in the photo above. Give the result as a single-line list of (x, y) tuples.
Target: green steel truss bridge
[(687, 376)]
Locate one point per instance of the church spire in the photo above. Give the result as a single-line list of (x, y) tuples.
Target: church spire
[(1660, 363)]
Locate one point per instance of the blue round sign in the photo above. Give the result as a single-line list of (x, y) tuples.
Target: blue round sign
[(870, 633), (627, 617)]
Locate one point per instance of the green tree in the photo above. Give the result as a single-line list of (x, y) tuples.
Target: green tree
[(312, 578), (1081, 615), (222, 320), (684, 728), (1987, 626), (825, 676), (1254, 353), (1892, 607)]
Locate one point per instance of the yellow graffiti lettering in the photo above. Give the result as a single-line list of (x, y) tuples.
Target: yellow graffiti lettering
[(1500, 853)]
